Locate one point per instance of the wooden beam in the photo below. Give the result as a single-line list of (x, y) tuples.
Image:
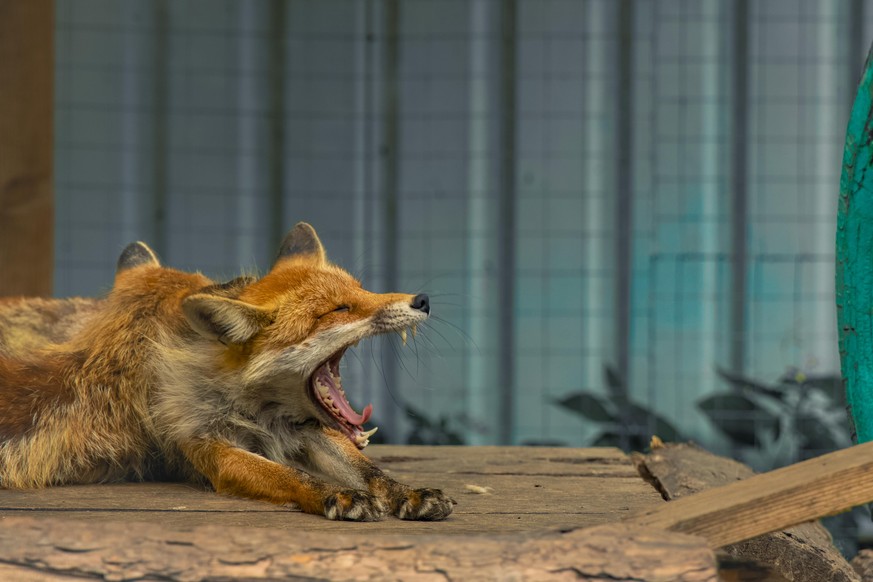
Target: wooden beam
[(772, 501), (53, 550), (26, 107)]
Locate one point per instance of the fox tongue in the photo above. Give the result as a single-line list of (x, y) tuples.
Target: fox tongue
[(340, 401), (346, 409)]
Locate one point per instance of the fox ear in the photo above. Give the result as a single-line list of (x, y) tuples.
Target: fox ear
[(301, 241), (135, 255), (223, 319)]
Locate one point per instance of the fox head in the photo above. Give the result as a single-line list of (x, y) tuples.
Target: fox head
[(281, 338)]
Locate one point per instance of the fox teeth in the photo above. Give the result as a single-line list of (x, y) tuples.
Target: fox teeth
[(323, 390), (366, 435), (413, 330), (403, 336)]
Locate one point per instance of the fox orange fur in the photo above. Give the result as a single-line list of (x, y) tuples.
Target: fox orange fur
[(236, 384)]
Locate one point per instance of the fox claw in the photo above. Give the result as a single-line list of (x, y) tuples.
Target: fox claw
[(425, 505), (353, 505)]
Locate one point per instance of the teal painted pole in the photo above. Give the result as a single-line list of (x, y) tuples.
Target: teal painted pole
[(854, 268)]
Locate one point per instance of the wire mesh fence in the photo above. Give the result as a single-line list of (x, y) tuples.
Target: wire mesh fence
[(644, 186)]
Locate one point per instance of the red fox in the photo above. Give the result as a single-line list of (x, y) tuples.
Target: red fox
[(172, 376)]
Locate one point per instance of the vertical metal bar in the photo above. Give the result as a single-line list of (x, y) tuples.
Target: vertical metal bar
[(624, 190), (161, 98), (391, 169), (481, 369), (711, 190), (819, 21), (739, 178), (132, 83), (857, 50), (362, 120), (506, 256), (595, 98), (245, 216), (276, 96), (391, 118)]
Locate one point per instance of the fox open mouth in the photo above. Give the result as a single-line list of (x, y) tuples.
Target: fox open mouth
[(327, 392)]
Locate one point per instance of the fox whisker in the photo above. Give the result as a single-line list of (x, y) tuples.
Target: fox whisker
[(457, 329)]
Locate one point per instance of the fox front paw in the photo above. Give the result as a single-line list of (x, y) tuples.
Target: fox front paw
[(425, 505), (354, 505)]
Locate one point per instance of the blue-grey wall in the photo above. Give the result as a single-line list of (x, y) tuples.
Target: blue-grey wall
[(569, 179)]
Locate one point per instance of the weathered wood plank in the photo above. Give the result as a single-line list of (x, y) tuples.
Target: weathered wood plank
[(530, 489), (55, 550), (827, 485), (292, 521), (516, 504), (128, 496), (547, 494), (600, 462)]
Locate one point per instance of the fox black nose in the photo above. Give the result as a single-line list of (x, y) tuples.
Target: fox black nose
[(421, 302)]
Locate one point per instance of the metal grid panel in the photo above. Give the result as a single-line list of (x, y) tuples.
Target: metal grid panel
[(683, 211), (565, 203), (419, 136), (799, 99)]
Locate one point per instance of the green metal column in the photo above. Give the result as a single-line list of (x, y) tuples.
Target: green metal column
[(854, 269)]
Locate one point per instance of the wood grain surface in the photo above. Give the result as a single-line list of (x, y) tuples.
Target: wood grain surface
[(528, 490)]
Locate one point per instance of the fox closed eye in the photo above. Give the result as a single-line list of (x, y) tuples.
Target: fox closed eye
[(337, 309)]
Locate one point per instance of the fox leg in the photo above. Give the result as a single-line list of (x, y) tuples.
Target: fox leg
[(235, 471), (330, 453)]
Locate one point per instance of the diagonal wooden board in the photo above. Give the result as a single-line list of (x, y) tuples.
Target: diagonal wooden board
[(772, 501), (803, 553), (533, 489)]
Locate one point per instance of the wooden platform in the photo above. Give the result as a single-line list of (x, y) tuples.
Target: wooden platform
[(548, 514), (531, 489)]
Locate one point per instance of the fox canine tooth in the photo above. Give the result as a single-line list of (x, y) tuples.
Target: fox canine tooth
[(366, 435), (403, 336), (413, 330)]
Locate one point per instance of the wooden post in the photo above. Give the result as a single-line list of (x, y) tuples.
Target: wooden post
[(26, 106), (854, 269)]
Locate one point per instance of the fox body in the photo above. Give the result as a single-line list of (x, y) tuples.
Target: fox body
[(236, 384)]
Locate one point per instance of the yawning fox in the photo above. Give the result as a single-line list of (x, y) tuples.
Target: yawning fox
[(174, 376)]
